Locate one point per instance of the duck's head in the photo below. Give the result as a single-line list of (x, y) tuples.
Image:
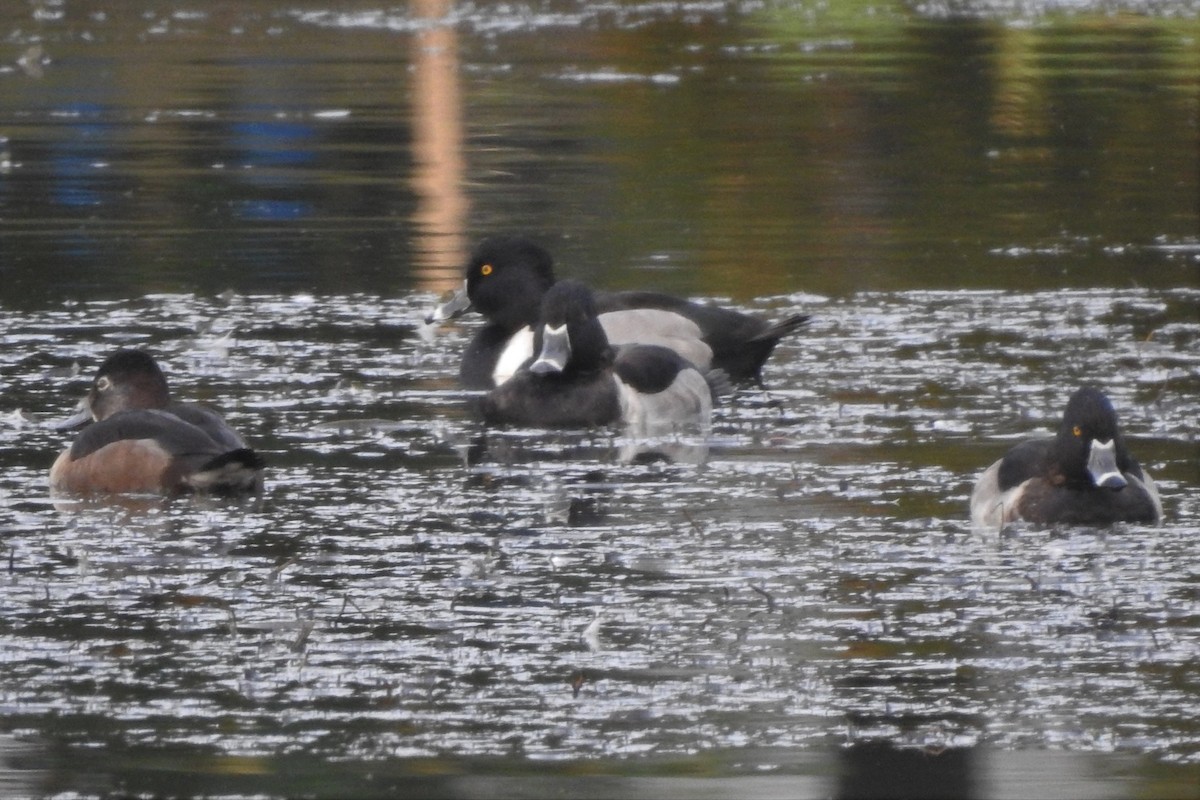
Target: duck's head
[(505, 279), (128, 379), (569, 336), (1089, 444)]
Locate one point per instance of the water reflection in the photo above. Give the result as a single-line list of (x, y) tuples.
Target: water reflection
[(880, 770), (272, 151), (832, 150), (439, 170), (858, 772)]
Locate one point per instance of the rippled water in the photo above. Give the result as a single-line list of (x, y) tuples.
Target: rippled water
[(414, 586)]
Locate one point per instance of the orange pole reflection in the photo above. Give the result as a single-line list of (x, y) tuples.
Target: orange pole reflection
[(438, 176)]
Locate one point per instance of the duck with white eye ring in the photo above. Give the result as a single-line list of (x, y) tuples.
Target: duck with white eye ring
[(577, 379), (1084, 475), (138, 440)]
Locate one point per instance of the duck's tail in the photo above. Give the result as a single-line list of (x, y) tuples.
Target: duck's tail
[(781, 329), (235, 472), (763, 344)]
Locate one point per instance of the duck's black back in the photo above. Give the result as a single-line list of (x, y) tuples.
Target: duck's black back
[(648, 369), (741, 343)]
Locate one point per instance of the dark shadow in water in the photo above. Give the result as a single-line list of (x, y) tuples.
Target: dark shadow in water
[(882, 770), (868, 770)]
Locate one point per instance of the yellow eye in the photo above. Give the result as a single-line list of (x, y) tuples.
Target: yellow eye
[(1078, 431), (486, 269)]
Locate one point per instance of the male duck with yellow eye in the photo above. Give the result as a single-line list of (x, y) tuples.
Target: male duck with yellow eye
[(140, 442), (507, 277), (1084, 475), (579, 380)]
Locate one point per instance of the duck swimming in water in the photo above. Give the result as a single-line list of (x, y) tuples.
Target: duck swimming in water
[(507, 277), (578, 379), (1083, 475), (140, 441)]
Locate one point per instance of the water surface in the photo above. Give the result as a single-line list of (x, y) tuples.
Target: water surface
[(981, 207)]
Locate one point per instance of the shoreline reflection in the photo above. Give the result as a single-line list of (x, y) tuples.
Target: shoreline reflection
[(439, 163)]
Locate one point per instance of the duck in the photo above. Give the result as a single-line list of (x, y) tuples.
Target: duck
[(506, 278), (1083, 475), (578, 379), (137, 440)]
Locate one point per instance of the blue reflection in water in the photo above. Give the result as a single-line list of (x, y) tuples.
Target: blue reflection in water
[(273, 143), (265, 210), (73, 160), (74, 185), (278, 145)]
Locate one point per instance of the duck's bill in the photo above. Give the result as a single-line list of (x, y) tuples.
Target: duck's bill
[(1102, 465), (82, 415), (555, 352), (454, 306)]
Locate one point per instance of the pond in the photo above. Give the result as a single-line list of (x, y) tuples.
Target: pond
[(981, 207)]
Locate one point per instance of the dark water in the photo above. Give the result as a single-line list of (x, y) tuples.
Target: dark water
[(738, 149), (980, 210)]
